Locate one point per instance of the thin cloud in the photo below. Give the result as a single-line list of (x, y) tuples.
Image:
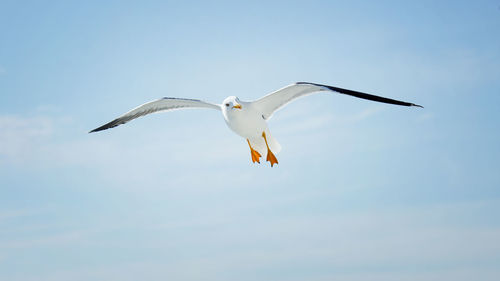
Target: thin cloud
[(13, 214), (19, 135)]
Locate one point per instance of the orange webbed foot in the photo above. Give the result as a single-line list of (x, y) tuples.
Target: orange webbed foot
[(255, 156), (254, 153), (271, 158)]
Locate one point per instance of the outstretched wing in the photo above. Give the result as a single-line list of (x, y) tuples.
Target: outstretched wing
[(276, 100), (164, 104)]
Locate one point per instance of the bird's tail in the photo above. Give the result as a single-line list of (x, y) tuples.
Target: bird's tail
[(274, 145), (259, 144)]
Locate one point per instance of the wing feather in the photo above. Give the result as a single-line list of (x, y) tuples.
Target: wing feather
[(164, 104), (276, 100)]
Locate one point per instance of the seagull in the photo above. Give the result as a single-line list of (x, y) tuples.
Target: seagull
[(248, 119)]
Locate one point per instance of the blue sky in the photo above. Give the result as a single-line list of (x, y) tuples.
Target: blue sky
[(363, 191)]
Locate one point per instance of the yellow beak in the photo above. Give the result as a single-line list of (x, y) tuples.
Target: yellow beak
[(237, 106)]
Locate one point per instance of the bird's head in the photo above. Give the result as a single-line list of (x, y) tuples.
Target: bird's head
[(231, 103)]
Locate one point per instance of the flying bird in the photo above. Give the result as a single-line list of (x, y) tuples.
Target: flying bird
[(248, 119)]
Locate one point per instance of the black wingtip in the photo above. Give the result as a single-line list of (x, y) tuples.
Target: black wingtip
[(104, 127), (363, 95), (111, 124)]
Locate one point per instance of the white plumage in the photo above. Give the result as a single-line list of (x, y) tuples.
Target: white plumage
[(247, 119)]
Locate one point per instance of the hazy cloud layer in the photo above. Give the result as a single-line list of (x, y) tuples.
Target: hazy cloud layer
[(362, 191)]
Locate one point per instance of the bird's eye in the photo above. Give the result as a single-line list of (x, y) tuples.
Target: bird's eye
[(227, 104)]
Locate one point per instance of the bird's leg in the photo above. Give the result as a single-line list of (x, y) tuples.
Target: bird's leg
[(270, 156), (255, 154)]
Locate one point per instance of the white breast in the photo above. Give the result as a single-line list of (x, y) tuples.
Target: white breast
[(246, 122)]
